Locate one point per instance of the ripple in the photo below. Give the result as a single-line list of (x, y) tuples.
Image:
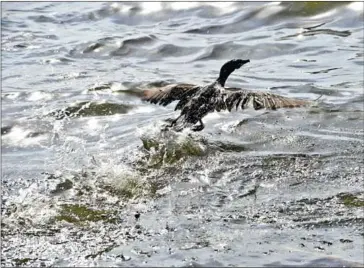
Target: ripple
[(114, 46), (311, 88), (234, 50), (309, 32), (5, 130), (325, 71), (309, 8), (60, 60), (169, 50), (142, 40), (39, 95), (130, 88), (17, 136), (85, 109), (43, 19), (130, 42)]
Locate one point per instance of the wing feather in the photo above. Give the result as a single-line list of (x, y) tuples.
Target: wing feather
[(242, 97), (167, 94), (233, 97)]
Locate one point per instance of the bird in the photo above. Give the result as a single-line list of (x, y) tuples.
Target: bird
[(196, 101)]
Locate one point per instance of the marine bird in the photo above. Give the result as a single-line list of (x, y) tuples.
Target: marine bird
[(195, 101)]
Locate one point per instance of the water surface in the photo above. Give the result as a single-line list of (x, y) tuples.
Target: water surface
[(88, 178)]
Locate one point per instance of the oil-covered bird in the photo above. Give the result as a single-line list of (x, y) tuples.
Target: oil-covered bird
[(195, 102)]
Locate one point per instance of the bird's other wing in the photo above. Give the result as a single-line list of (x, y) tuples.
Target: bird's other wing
[(236, 98), (167, 94)]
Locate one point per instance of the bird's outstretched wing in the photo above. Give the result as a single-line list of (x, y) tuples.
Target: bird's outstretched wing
[(237, 97), (234, 98), (167, 94)]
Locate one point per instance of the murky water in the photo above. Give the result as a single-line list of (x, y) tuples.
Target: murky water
[(89, 179)]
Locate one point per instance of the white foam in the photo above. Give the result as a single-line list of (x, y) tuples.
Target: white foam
[(94, 126), (269, 10), (229, 126), (33, 47), (18, 137), (73, 75), (39, 95), (149, 129), (150, 7), (12, 96), (142, 110), (224, 7), (330, 13), (357, 6), (154, 7), (115, 117), (30, 205), (122, 9), (117, 86), (214, 115), (115, 5), (183, 5)]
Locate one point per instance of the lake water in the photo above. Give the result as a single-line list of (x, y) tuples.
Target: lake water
[(89, 178)]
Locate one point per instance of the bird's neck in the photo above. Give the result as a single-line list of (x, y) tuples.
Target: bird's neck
[(221, 81), (224, 74)]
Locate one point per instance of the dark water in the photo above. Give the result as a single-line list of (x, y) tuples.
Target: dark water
[(89, 179)]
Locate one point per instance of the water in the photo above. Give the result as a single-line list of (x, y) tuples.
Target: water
[(89, 179)]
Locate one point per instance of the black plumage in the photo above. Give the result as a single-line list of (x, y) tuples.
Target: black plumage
[(195, 102)]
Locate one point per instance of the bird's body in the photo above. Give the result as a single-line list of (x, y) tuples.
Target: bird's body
[(203, 102), (195, 102)]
